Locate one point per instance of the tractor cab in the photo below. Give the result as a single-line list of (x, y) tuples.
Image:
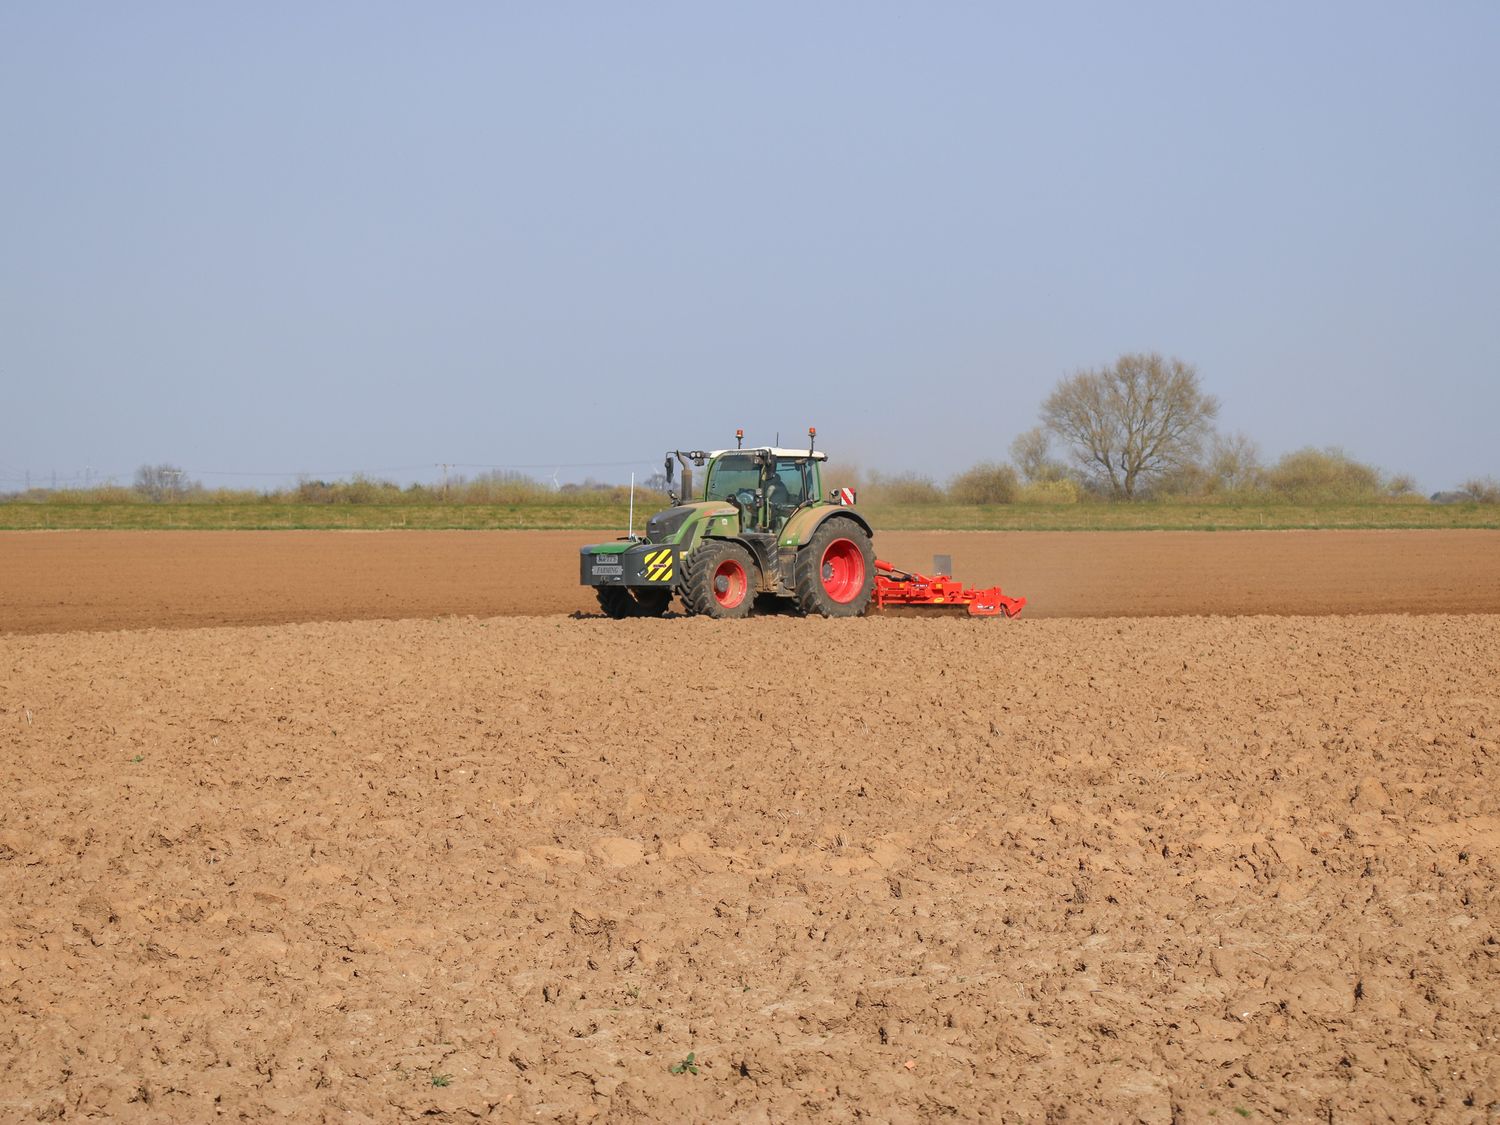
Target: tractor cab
[(766, 485)]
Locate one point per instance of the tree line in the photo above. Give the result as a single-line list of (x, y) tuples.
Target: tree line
[(1143, 428), (169, 483)]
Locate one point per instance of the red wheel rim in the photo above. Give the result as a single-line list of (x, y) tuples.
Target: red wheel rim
[(843, 570), (730, 584)]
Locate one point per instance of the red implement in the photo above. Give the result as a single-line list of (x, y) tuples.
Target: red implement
[(894, 588)]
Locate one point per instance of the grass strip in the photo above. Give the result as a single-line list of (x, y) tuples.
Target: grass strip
[(31, 516)]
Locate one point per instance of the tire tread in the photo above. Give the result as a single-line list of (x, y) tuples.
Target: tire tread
[(812, 598)]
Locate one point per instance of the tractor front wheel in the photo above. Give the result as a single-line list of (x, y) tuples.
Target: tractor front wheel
[(719, 580), (615, 601), (652, 601), (836, 570), (622, 601)]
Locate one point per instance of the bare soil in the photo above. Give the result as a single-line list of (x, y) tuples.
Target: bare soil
[(60, 581), (521, 868)]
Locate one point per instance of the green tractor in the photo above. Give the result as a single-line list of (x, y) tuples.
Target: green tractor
[(762, 526)]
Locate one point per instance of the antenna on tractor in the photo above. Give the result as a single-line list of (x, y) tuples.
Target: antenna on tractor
[(630, 527), (739, 439), (812, 439)]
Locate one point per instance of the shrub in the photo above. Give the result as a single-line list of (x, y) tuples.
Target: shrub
[(497, 488), (228, 496), (906, 488), (1050, 492), (986, 483), (163, 482), (844, 474), (99, 494), (1183, 481), (1323, 474), (360, 490), (310, 492), (367, 490)]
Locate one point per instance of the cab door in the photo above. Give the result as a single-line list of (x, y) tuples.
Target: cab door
[(787, 488)]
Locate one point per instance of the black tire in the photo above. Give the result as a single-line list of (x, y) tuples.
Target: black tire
[(615, 601), (651, 601), (720, 580), (836, 570), (633, 601)]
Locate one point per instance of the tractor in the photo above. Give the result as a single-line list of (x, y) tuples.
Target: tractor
[(762, 527)]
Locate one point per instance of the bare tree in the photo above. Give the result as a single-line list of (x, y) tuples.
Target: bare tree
[(1128, 423), (1401, 486), (1482, 490), (1234, 463), (162, 482), (1032, 452)]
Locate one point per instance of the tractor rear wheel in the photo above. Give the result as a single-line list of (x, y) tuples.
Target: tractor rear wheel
[(836, 570), (624, 601), (719, 580)]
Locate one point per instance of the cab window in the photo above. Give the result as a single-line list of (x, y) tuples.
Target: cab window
[(730, 474), (789, 474)]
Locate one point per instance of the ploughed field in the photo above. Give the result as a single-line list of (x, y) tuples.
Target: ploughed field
[(523, 868), (57, 581)]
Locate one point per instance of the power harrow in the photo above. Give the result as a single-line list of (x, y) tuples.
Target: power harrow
[(905, 589)]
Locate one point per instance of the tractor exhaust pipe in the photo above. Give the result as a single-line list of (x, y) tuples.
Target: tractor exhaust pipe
[(687, 459)]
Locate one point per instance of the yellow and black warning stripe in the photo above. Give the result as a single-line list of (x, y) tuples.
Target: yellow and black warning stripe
[(657, 565)]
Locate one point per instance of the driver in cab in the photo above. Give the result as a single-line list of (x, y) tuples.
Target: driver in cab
[(783, 489)]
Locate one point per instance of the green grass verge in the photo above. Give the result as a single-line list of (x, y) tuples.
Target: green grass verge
[(30, 516)]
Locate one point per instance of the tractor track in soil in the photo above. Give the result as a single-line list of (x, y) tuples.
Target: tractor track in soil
[(63, 581)]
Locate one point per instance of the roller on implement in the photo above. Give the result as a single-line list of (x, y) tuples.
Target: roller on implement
[(763, 528)]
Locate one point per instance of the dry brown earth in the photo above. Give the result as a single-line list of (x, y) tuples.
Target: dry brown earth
[(57, 581), (876, 870)]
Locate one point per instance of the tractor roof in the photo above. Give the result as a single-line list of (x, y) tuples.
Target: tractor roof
[(774, 451)]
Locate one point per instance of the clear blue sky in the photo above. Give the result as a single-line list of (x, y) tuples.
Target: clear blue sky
[(314, 236)]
